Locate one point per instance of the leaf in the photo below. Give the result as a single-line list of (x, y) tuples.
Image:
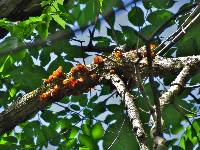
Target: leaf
[(116, 35), (102, 41), (97, 131), (105, 90), (169, 117), (92, 6), (10, 139), (147, 4), (75, 107), (114, 108), (43, 27), (182, 142), (87, 141), (189, 45), (86, 129), (162, 4), (99, 108), (67, 145), (59, 20), (74, 132), (136, 16), (9, 43), (6, 64), (158, 17), (28, 77), (48, 116), (12, 91), (131, 36), (51, 135), (195, 79), (83, 148), (148, 30), (124, 141), (59, 61)]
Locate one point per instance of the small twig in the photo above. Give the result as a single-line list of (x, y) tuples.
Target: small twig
[(192, 86), (186, 110), (52, 38), (140, 85), (166, 23), (179, 33), (92, 32), (154, 90), (118, 133), (187, 119), (195, 98)]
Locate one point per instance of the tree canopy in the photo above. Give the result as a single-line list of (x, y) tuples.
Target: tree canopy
[(75, 74)]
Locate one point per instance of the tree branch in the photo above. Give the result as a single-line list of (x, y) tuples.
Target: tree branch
[(131, 109), (176, 86), (29, 104)]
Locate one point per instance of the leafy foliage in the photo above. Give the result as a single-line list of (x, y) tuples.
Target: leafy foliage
[(76, 121)]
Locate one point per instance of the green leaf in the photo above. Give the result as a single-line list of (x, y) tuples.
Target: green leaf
[(75, 107), (59, 20), (86, 129), (148, 30), (87, 141), (182, 142), (6, 64), (116, 35), (131, 36), (124, 140), (97, 131), (64, 123), (48, 116), (9, 43), (67, 145), (83, 148), (10, 139), (136, 16), (51, 135), (105, 90), (195, 79), (189, 44), (92, 6), (59, 61), (99, 108), (158, 17), (74, 132), (79, 98), (28, 77), (163, 4), (102, 41), (43, 27), (12, 91), (169, 117), (147, 4), (115, 108)]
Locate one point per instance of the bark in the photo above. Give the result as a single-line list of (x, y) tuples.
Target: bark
[(29, 104), (131, 109)]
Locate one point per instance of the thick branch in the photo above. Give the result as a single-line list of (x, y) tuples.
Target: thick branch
[(131, 109), (176, 87), (29, 104)]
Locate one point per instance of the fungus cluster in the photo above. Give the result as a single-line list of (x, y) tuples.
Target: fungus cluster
[(78, 77)]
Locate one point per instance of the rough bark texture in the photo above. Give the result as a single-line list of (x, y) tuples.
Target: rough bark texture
[(133, 113), (176, 86), (28, 105)]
